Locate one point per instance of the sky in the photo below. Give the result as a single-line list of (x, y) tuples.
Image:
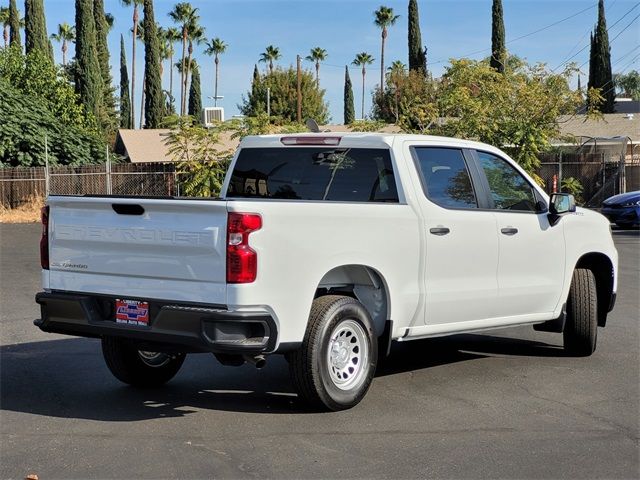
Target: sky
[(450, 28)]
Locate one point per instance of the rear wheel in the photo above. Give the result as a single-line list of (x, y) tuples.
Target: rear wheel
[(140, 368), (581, 327), (334, 367)]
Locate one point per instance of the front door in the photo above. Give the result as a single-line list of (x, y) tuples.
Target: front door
[(532, 252)]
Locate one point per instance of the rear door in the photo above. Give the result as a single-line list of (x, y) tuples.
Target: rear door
[(461, 241), (532, 252), (139, 248)]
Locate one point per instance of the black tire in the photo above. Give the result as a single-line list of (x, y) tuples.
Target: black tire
[(581, 327), (140, 369), (336, 379)]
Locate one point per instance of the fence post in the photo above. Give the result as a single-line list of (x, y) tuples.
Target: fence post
[(46, 167), (108, 171), (560, 172)]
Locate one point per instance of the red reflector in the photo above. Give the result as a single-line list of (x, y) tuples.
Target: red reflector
[(44, 240), (242, 260), (311, 140)]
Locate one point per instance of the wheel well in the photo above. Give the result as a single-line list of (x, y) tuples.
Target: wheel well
[(362, 283), (602, 269)]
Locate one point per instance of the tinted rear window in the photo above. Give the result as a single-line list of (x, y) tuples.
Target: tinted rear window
[(317, 173)]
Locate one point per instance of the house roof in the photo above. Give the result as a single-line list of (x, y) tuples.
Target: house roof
[(148, 145), (143, 146), (611, 125)]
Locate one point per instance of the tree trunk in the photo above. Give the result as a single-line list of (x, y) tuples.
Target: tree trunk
[(384, 37), (215, 88), (64, 52), (171, 77), (5, 34), (186, 78), (184, 52), (363, 75), (133, 65), (318, 75), (270, 66), (144, 89)]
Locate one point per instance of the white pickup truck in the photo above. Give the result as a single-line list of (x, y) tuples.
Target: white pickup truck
[(325, 248)]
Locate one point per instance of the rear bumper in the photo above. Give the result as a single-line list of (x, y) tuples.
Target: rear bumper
[(189, 327)]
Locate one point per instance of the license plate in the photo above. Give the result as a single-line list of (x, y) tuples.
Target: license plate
[(132, 312)]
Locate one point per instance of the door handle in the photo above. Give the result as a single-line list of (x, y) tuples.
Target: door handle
[(439, 231), (509, 231)]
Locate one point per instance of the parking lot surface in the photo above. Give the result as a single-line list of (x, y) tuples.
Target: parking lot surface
[(507, 404)]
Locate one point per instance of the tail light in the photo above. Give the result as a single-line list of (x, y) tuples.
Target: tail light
[(242, 260), (44, 240)]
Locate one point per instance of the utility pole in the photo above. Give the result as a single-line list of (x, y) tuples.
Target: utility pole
[(299, 90)]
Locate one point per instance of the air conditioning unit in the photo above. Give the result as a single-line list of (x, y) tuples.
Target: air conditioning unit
[(212, 115)]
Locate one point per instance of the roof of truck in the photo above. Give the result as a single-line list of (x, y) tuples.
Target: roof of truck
[(356, 139)]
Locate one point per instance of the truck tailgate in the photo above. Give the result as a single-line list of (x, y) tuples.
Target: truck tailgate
[(139, 248)]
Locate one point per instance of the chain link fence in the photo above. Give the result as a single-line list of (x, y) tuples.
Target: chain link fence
[(20, 185)]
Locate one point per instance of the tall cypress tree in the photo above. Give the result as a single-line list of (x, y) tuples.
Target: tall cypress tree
[(88, 77), (417, 55), (498, 49), (153, 103), (125, 98), (35, 28), (102, 29), (195, 94), (600, 75), (349, 104), (14, 24)]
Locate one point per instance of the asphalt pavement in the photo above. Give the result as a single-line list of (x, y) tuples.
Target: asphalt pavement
[(503, 405)]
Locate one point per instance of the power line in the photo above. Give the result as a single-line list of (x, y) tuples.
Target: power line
[(613, 39), (522, 36), (620, 32), (566, 60)]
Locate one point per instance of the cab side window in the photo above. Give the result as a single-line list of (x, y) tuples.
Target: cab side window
[(445, 177), (508, 188)]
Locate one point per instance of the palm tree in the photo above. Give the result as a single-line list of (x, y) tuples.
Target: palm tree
[(171, 35), (4, 20), (269, 55), (135, 4), (66, 33), (384, 18), (362, 60), (139, 33), (317, 55), (215, 47), (196, 35), (187, 18)]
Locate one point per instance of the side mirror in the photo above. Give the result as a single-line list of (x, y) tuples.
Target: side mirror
[(560, 204)]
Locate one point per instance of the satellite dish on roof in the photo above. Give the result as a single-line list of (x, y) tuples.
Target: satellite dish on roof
[(312, 125)]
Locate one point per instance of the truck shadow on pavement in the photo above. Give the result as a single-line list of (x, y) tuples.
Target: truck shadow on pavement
[(68, 378)]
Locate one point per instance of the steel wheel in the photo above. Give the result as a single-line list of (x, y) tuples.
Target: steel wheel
[(334, 366), (347, 353)]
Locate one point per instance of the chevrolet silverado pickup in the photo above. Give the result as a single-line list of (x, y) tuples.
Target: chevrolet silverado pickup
[(326, 248)]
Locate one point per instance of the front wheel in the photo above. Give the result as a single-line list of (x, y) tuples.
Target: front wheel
[(334, 367), (581, 327), (139, 368)]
